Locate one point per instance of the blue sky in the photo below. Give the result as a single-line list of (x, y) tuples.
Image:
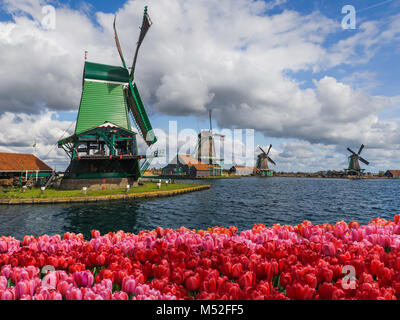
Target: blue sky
[(336, 75)]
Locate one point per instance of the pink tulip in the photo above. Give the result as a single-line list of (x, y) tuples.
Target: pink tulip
[(83, 279), (63, 286), (74, 294), (129, 285), (6, 271), (23, 288), (8, 294), (3, 246), (120, 295), (3, 283)]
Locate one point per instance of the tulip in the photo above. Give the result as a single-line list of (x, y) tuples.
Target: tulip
[(192, 283), (329, 249), (237, 270), (247, 279), (3, 283), (74, 294), (3, 246), (23, 288), (119, 295), (83, 279), (8, 294), (298, 291), (129, 285)]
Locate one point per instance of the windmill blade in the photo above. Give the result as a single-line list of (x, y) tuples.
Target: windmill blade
[(139, 114), (363, 160), (118, 44), (351, 151), (262, 150), (272, 161), (146, 24), (361, 148), (270, 146)]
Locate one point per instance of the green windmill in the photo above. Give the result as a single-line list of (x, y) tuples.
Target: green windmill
[(354, 168), (103, 149)]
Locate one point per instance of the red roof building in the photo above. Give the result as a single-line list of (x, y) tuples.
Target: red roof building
[(19, 162), (392, 173)]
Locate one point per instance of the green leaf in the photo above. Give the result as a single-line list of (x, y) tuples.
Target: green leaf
[(116, 287), (10, 283)]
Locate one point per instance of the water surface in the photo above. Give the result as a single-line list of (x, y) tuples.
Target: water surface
[(240, 202)]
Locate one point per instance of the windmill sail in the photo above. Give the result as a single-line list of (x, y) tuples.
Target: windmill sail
[(118, 44), (146, 24), (134, 101), (139, 114)]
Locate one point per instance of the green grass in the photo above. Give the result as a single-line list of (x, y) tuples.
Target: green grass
[(55, 193)]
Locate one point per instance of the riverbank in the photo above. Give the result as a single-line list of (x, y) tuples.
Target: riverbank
[(146, 191)]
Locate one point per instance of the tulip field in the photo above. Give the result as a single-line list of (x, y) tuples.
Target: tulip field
[(317, 262)]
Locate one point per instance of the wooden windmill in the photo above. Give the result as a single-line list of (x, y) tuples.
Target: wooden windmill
[(262, 162), (206, 148), (354, 164), (103, 149)]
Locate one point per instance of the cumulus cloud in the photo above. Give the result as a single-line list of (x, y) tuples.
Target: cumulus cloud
[(232, 56), (35, 133)]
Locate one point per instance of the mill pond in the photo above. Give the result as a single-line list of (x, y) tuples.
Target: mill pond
[(239, 202)]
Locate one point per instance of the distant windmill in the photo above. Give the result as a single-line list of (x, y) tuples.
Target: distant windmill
[(354, 165), (206, 145), (262, 162)]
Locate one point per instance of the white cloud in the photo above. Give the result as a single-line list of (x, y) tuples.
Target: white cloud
[(21, 131)]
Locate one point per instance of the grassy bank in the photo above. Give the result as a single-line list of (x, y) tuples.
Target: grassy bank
[(54, 193)]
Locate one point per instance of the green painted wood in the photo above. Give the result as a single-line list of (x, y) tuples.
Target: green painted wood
[(102, 102), (97, 71), (140, 115)]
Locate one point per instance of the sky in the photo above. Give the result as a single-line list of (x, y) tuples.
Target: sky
[(286, 69)]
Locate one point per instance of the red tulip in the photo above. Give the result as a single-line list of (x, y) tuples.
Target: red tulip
[(300, 292), (247, 279), (325, 275), (237, 270), (192, 283)]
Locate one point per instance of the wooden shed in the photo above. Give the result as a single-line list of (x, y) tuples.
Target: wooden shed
[(23, 166)]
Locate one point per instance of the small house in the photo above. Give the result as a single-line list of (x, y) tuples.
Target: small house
[(243, 170), (392, 174), (22, 166), (184, 165)]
